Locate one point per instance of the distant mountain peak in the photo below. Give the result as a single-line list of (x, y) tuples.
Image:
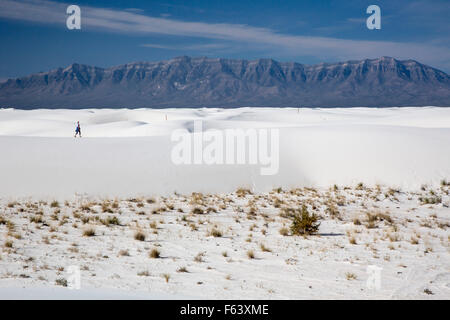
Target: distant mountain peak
[(201, 82)]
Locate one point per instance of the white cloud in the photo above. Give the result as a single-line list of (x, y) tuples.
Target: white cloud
[(207, 46), (324, 48)]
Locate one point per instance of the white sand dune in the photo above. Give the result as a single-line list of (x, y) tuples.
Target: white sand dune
[(122, 168), (404, 147)]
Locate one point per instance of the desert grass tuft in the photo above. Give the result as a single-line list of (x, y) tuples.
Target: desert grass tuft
[(89, 232), (154, 253)]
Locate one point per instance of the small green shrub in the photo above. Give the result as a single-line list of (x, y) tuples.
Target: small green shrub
[(304, 223)]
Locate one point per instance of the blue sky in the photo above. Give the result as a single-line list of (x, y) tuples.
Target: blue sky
[(34, 37)]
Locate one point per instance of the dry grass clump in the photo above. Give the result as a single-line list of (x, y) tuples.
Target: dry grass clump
[(182, 269), (36, 219), (332, 209), (87, 207), (264, 248), (430, 200), (139, 235), (394, 237), (284, 231), (197, 210), (199, 257), (61, 282), (197, 198), (73, 249), (215, 233), (153, 225), (287, 213), (391, 192), (211, 209), (154, 253), (193, 227), (374, 218), (385, 217), (3, 221), (166, 277), (110, 221), (428, 250), (54, 204), (277, 202), (85, 219), (12, 204), (8, 244), (18, 236), (251, 254), (140, 205), (242, 192), (10, 226), (115, 204), (106, 206), (124, 253), (89, 232), (350, 276), (252, 210), (158, 210)]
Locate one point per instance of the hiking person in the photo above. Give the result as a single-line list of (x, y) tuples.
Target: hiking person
[(78, 129)]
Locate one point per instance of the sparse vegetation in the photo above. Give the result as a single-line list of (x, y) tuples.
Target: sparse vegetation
[(430, 200), (248, 221), (242, 192)]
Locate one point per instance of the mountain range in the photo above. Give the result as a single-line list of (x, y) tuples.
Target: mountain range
[(207, 82)]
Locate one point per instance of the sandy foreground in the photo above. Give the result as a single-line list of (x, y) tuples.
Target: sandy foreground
[(114, 205)]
